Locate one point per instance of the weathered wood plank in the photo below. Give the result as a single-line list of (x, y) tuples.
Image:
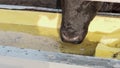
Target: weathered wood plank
[(38, 3), (114, 1), (43, 3)]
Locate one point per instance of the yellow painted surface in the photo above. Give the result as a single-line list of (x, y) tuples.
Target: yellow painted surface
[(105, 24), (47, 24), (105, 51), (51, 20), (107, 33)]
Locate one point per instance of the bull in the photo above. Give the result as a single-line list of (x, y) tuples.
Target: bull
[(76, 17)]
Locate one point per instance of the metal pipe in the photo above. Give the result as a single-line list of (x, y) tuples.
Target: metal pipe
[(32, 8), (17, 7)]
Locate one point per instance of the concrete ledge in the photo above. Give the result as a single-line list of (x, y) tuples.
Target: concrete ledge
[(28, 58)]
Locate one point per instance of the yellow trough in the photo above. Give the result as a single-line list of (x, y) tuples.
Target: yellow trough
[(47, 24)]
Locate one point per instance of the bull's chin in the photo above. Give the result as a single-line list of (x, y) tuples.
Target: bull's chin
[(74, 40)]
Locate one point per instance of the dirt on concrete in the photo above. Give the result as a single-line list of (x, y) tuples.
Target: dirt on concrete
[(24, 40)]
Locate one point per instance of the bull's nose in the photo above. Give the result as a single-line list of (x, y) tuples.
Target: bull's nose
[(74, 40)]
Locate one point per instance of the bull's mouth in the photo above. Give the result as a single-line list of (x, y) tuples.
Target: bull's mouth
[(74, 40)]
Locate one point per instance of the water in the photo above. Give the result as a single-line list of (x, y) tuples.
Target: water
[(41, 38)]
